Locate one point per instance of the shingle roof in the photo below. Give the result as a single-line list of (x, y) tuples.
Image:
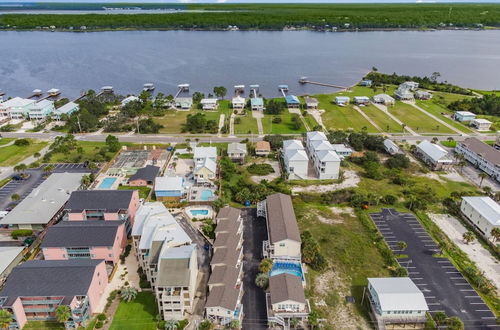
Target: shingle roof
[(284, 287), (82, 234), (263, 145), (204, 152), (487, 152), (398, 293), (223, 296), (282, 223), (236, 147), (109, 200), (147, 173), (169, 183), (50, 278)]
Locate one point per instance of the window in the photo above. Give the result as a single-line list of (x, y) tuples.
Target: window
[(282, 244)]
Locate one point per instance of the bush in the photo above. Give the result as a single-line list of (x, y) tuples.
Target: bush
[(98, 325), (22, 142), (260, 169), (21, 233), (277, 120), (101, 317), (161, 324)]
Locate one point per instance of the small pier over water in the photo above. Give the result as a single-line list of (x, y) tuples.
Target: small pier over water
[(305, 80), (254, 90), (181, 88)]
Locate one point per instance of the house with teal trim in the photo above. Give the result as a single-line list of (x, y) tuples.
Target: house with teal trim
[(16, 108), (41, 110), (66, 109), (169, 188)]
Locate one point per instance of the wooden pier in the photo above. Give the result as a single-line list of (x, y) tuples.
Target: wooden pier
[(181, 88), (304, 80)]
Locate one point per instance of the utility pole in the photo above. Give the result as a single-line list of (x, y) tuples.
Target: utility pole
[(78, 120)]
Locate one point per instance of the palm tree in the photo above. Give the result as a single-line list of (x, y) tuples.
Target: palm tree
[(461, 165), (20, 168), (482, 175), (171, 324), (262, 281), (440, 318), (435, 140), (468, 237), (206, 325), (234, 325), (294, 323), (49, 168), (402, 245), (454, 323), (487, 190), (495, 233), (266, 265), (5, 319), (128, 293), (63, 313)]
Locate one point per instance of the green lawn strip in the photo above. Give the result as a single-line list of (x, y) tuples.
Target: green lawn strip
[(417, 120), (310, 121), (336, 117), (247, 125), (449, 144), (285, 127), (386, 123), (42, 325), (11, 155), (90, 149), (438, 110), (173, 120), (143, 191), (5, 181), (4, 141), (139, 314)]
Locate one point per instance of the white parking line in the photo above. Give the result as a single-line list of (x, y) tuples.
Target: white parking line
[(488, 318), (482, 310), (430, 297), (456, 278), (442, 261), (417, 278), (411, 267), (447, 266), (469, 290), (455, 272), (413, 273), (433, 304), (471, 297), (461, 283), (389, 236), (480, 303)]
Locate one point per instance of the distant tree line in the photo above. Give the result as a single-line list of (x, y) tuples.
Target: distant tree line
[(486, 105)]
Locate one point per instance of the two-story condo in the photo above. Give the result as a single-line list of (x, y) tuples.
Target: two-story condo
[(325, 160), (66, 109), (396, 301), (16, 108), (295, 159), (108, 205), (283, 233), (225, 284), (36, 288), (436, 157), (41, 110), (481, 155), (103, 240), (483, 213)]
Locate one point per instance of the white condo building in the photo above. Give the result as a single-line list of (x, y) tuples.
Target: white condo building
[(483, 213), (325, 160)]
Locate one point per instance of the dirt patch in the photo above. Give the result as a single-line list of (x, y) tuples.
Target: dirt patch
[(454, 176), (432, 175), (351, 179)]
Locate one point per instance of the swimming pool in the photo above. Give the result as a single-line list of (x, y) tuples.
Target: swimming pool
[(195, 213), (107, 183), (206, 195), (293, 268)]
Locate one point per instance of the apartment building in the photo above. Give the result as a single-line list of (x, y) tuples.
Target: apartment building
[(483, 213), (325, 160), (436, 157), (295, 159), (482, 156), (225, 284)]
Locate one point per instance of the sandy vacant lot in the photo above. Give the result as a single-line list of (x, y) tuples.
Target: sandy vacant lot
[(483, 259), (351, 179)]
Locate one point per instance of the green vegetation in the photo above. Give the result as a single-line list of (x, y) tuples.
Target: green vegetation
[(437, 107), (386, 123), (417, 120), (245, 124), (68, 150), (278, 16), (260, 169), (143, 191), (44, 325), (172, 120), (138, 314), (21, 233), (4, 141), (13, 154), (486, 105), (283, 123)]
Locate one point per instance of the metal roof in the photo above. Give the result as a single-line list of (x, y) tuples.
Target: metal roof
[(236, 147), (169, 183), (7, 256), (293, 145), (175, 267), (487, 207), (433, 151), (204, 152), (292, 99), (398, 293)]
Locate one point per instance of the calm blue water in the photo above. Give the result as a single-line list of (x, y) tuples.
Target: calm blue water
[(198, 212), (206, 195), (107, 183), (286, 267), (74, 62)]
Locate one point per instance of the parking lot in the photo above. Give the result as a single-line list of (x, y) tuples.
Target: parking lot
[(444, 287), (36, 177)]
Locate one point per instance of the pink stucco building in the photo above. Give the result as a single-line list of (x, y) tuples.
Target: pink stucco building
[(36, 288), (91, 239), (106, 205)]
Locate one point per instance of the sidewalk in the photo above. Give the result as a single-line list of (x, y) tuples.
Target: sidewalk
[(439, 120)]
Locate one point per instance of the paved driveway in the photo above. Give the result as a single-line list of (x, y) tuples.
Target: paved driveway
[(444, 287), (254, 298)]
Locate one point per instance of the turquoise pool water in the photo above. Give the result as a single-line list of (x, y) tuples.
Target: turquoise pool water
[(293, 268), (206, 194), (195, 213), (107, 183)]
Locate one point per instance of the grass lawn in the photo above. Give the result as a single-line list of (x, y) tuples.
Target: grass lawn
[(417, 120), (172, 121), (42, 325), (90, 149), (437, 110), (247, 125), (386, 123), (285, 127), (343, 118), (310, 121), (449, 144), (143, 191), (139, 314), (11, 155), (4, 141)]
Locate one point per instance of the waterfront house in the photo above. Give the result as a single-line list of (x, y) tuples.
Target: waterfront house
[(85, 240), (238, 103), (40, 110), (483, 213), (295, 159), (283, 232), (128, 99), (107, 205), (262, 148), (237, 152), (342, 100), (225, 283), (35, 288), (411, 85), (144, 176), (361, 100), (435, 156), (384, 99), (396, 302), (391, 148), (16, 108), (404, 93), (209, 104), (464, 116), (169, 188), (366, 83), (311, 102), (66, 109), (286, 300), (10, 257), (292, 101), (481, 124), (183, 103), (43, 206), (480, 155), (257, 103), (423, 95)]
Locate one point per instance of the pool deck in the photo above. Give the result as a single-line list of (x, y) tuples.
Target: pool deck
[(114, 186), (210, 214)]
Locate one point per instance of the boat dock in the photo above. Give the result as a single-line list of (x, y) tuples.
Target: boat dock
[(182, 88), (254, 89), (305, 80), (35, 93), (283, 89)]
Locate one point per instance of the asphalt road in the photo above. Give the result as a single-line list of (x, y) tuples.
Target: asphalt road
[(443, 286), (254, 298)]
